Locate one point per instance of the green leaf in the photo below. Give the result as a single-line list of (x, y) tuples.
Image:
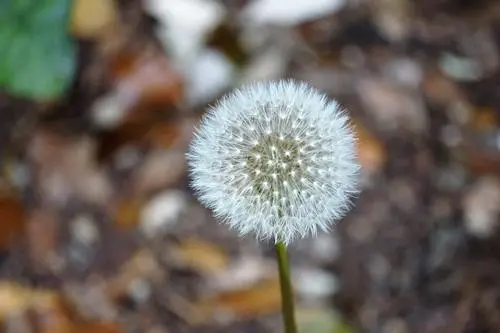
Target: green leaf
[(37, 56)]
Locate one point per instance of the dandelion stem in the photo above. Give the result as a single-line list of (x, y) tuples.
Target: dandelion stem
[(287, 306)]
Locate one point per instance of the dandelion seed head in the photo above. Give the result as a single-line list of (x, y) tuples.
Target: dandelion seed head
[(296, 150)]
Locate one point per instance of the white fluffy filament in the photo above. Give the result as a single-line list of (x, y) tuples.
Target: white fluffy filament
[(277, 159)]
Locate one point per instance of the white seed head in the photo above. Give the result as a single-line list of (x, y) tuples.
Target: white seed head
[(295, 147)]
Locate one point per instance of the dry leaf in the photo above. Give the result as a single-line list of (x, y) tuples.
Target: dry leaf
[(147, 82), (173, 135), (144, 86), (15, 299), (480, 153), (440, 89), (142, 265), (12, 220), (91, 19), (481, 161), (261, 299), (97, 328), (163, 135), (66, 166), (127, 212), (50, 314), (393, 18), (484, 120), (57, 320), (52, 320), (161, 169), (42, 234), (371, 151), (201, 256), (393, 106)]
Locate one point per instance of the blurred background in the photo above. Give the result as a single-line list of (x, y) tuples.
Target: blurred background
[(99, 231)]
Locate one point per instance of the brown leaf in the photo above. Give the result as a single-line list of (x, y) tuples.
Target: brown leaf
[(52, 320), (440, 89), (201, 256), (479, 152), (175, 134), (163, 135), (161, 169), (42, 234), (66, 166), (371, 151), (15, 299), (481, 161), (393, 18), (393, 106), (483, 120), (98, 328), (148, 83), (127, 212), (57, 320), (141, 265), (261, 299), (12, 219), (49, 309), (140, 108), (91, 19)]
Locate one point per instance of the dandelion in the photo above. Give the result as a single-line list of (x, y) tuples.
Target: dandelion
[(276, 159)]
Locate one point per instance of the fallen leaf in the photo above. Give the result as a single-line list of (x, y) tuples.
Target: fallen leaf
[(52, 320), (15, 299), (145, 85), (49, 311), (484, 119), (127, 212), (371, 151), (12, 219), (90, 301), (142, 265), (161, 169), (393, 106), (261, 299), (201, 256), (163, 135), (98, 328), (440, 89), (66, 167), (42, 235), (125, 134), (480, 160), (90, 19), (393, 18), (58, 320)]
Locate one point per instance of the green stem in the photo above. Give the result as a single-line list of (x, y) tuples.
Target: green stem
[(287, 306)]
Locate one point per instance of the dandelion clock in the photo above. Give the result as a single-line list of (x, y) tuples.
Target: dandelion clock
[(276, 160)]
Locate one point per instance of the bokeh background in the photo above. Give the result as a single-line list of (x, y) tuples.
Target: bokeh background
[(99, 231)]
